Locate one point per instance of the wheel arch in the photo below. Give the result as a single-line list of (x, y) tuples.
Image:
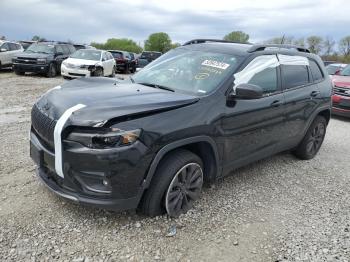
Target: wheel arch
[(326, 114), (203, 146)]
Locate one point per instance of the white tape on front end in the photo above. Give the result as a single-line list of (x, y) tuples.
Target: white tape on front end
[(57, 137)]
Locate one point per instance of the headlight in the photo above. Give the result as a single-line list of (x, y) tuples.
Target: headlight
[(112, 137), (84, 66), (41, 61), (65, 63)]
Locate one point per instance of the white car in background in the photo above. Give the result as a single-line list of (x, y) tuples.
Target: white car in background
[(88, 62), (8, 50)]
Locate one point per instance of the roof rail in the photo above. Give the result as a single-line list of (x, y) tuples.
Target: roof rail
[(200, 41), (262, 47)]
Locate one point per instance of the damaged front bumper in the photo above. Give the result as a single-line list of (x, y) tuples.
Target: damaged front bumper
[(111, 179)]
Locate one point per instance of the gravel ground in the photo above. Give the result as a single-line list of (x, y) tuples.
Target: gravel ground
[(279, 209)]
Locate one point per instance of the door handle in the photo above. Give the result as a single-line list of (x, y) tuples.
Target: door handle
[(315, 93), (276, 103)]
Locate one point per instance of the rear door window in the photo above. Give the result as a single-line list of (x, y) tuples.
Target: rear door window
[(13, 46), (294, 71)]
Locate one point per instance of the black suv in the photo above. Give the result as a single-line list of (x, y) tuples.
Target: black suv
[(191, 117), (147, 57), (43, 57)]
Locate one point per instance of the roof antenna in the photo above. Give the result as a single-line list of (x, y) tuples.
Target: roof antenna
[(282, 40)]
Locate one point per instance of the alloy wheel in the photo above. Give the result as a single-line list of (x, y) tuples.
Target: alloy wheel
[(184, 189), (316, 138)]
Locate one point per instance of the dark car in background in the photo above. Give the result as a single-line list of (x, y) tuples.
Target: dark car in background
[(82, 46), (341, 94), (202, 110), (133, 62), (123, 60), (43, 58), (147, 57)]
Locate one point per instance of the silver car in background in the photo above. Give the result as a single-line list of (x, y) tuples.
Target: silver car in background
[(8, 50)]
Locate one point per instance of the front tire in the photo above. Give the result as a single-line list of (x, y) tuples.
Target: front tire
[(19, 73), (52, 71), (313, 139), (99, 72), (176, 185), (113, 72)]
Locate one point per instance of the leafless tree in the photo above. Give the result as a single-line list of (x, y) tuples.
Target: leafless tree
[(344, 46)]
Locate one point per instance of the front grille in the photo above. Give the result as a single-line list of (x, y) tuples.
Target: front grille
[(341, 106), (342, 91), (25, 60), (43, 125)]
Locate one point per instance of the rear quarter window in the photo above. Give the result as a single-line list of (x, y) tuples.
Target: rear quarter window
[(315, 71)]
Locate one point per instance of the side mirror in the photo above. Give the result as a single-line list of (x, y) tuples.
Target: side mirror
[(3, 50), (247, 91), (337, 72)]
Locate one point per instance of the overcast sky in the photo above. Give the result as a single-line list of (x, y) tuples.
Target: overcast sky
[(97, 20)]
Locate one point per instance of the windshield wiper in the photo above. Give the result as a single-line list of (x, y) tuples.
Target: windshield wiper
[(157, 86)]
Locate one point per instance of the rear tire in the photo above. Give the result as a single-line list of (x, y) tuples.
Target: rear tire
[(313, 139), (176, 185), (52, 71), (19, 73)]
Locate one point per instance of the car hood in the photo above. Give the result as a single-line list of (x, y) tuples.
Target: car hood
[(341, 81), (33, 55), (78, 62), (107, 100)]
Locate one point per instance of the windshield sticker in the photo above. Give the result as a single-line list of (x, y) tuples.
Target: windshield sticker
[(211, 70), (215, 64), (201, 76)]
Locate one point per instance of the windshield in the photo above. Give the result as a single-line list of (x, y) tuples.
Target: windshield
[(41, 48), (188, 71), (345, 71), (87, 54)]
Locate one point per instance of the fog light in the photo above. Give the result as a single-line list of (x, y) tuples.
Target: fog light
[(105, 182)]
